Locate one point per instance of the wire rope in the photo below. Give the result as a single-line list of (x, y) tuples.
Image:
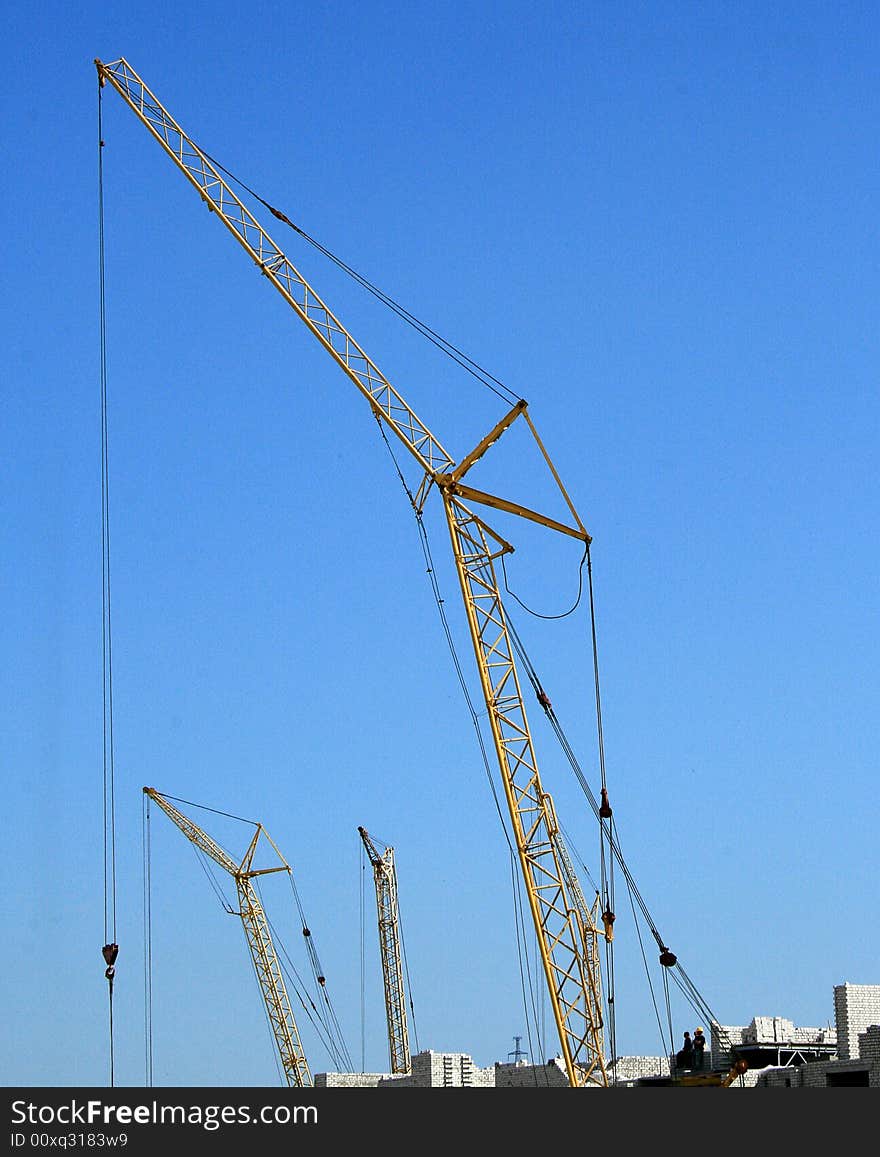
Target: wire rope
[(675, 971), (528, 983), (326, 1015), (110, 949), (467, 363), (362, 864), (148, 942), (406, 972)]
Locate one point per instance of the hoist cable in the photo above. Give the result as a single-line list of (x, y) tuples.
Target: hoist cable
[(319, 975), (572, 758), (605, 854), (537, 614), (335, 1050), (214, 811), (648, 977), (596, 669), (587, 873), (109, 802), (148, 943), (328, 1016), (527, 983), (683, 981), (206, 862), (606, 860), (609, 1001), (362, 916), (334, 1038), (605, 814), (210, 870), (678, 974), (295, 982), (467, 363), (412, 1015), (110, 948)]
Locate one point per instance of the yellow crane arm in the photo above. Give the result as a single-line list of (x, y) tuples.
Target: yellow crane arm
[(259, 940), (475, 548), (219, 197), (572, 989), (385, 880)]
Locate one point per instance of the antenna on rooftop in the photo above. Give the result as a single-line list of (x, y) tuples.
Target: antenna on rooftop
[(517, 1053)]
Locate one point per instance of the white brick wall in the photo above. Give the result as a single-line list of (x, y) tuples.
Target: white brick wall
[(856, 1007), (634, 1068), (869, 1045), (552, 1075)]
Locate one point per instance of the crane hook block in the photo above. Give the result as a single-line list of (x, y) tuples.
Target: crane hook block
[(667, 958), (110, 952), (605, 807), (306, 932), (608, 921)]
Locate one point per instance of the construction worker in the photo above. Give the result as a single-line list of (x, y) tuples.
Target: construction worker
[(699, 1046), (684, 1058)]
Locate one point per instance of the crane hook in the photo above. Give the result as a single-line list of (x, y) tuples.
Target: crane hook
[(608, 919), (110, 952)]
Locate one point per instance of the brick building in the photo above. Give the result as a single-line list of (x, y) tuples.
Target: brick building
[(779, 1054)]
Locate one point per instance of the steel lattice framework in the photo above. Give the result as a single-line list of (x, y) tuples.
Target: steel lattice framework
[(259, 940), (388, 913), (567, 959)]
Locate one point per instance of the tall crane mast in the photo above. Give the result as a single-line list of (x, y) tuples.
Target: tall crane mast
[(385, 879), (259, 940), (476, 548)]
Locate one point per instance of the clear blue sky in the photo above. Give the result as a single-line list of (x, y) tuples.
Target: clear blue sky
[(655, 222)]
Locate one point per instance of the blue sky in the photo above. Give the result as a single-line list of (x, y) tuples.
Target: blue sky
[(655, 222)]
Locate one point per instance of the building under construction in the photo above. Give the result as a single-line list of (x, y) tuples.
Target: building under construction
[(779, 1055)]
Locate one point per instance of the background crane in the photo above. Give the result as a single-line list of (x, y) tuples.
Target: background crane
[(256, 929), (385, 879), (589, 920), (476, 547)]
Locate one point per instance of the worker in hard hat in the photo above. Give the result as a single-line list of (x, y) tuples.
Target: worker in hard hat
[(699, 1046)]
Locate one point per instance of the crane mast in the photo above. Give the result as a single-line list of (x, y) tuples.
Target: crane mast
[(259, 940), (572, 992), (385, 879)]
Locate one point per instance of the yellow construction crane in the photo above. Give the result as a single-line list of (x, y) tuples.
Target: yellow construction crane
[(589, 921), (256, 929), (385, 879), (572, 984)]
